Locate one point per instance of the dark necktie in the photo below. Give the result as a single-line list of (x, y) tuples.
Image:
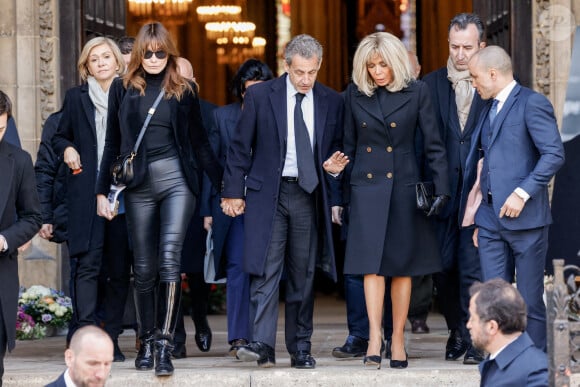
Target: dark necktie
[(493, 111), (307, 178)]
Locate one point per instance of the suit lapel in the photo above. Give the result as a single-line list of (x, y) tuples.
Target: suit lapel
[(7, 168), (445, 95), (320, 113), (497, 123), (88, 108), (370, 105), (278, 101)]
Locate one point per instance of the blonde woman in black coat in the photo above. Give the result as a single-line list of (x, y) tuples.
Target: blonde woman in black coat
[(385, 107), (80, 140)]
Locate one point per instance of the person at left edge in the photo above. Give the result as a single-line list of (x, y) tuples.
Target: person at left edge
[(20, 219), (161, 198), (286, 207)]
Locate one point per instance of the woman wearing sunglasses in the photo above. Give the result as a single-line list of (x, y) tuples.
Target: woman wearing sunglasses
[(162, 196)]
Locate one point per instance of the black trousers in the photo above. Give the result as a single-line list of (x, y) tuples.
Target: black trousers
[(158, 214), (461, 268), (116, 270), (85, 278), (293, 247)]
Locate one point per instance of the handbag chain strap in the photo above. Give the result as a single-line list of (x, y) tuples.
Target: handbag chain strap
[(147, 120)]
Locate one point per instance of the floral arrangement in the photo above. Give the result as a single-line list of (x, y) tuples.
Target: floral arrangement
[(40, 307)]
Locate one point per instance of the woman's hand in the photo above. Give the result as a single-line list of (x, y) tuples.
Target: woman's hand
[(72, 159), (46, 231), (104, 207), (336, 163)]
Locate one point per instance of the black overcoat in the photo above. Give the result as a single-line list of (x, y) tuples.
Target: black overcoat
[(387, 234), (20, 219)]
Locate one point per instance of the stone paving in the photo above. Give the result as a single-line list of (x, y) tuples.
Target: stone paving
[(35, 363)]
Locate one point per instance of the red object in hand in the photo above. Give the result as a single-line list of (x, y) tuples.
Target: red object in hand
[(77, 171)]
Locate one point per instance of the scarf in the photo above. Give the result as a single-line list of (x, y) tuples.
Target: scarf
[(100, 100), (461, 83)]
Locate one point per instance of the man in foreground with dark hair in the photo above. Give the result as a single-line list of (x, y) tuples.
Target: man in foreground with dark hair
[(497, 325)]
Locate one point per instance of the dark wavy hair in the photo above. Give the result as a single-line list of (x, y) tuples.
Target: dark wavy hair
[(462, 20), (499, 301), (156, 36), (250, 70), (5, 104)]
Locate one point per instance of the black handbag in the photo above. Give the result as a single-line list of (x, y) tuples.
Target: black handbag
[(424, 192), (122, 169)]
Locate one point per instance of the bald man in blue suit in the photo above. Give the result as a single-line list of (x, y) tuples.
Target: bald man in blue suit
[(522, 151)]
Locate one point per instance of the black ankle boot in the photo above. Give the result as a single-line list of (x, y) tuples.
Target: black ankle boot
[(145, 308), (163, 364), (144, 360), (169, 302)]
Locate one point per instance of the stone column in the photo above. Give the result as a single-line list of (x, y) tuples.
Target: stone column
[(28, 41)]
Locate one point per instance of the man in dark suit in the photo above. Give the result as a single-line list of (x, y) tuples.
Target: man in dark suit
[(275, 174), (88, 359), (522, 150), (497, 325), (457, 108), (19, 220)]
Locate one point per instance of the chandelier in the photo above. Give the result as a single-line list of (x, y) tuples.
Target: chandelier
[(236, 54), (219, 10), (228, 32), (167, 11)]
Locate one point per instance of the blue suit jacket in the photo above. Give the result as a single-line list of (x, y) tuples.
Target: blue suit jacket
[(525, 151), (224, 126), (58, 382), (256, 159), (457, 142), (519, 364)]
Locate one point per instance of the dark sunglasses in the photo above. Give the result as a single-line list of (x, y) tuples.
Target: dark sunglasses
[(158, 54)]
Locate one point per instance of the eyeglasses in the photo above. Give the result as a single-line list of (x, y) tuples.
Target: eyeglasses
[(158, 54)]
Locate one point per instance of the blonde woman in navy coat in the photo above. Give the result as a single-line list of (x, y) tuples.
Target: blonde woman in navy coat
[(385, 107)]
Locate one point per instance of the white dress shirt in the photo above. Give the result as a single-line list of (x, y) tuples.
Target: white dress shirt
[(291, 163)]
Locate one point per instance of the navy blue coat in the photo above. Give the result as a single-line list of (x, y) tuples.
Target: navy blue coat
[(256, 159), (387, 234), (77, 129), (519, 364), (225, 120), (51, 174), (457, 143)]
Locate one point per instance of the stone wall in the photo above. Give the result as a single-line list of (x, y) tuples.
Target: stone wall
[(29, 44)]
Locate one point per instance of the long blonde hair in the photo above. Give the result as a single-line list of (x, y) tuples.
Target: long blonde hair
[(156, 36), (392, 52)]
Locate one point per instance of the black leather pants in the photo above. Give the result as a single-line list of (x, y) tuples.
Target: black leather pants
[(158, 214)]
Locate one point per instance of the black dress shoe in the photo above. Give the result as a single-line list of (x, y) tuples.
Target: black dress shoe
[(399, 363), (203, 340), (419, 327), (179, 351), (118, 356), (456, 346), (473, 356), (260, 352), (373, 361), (237, 344), (353, 347), (302, 360)]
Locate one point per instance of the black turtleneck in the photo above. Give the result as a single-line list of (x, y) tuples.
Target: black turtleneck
[(159, 139)]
